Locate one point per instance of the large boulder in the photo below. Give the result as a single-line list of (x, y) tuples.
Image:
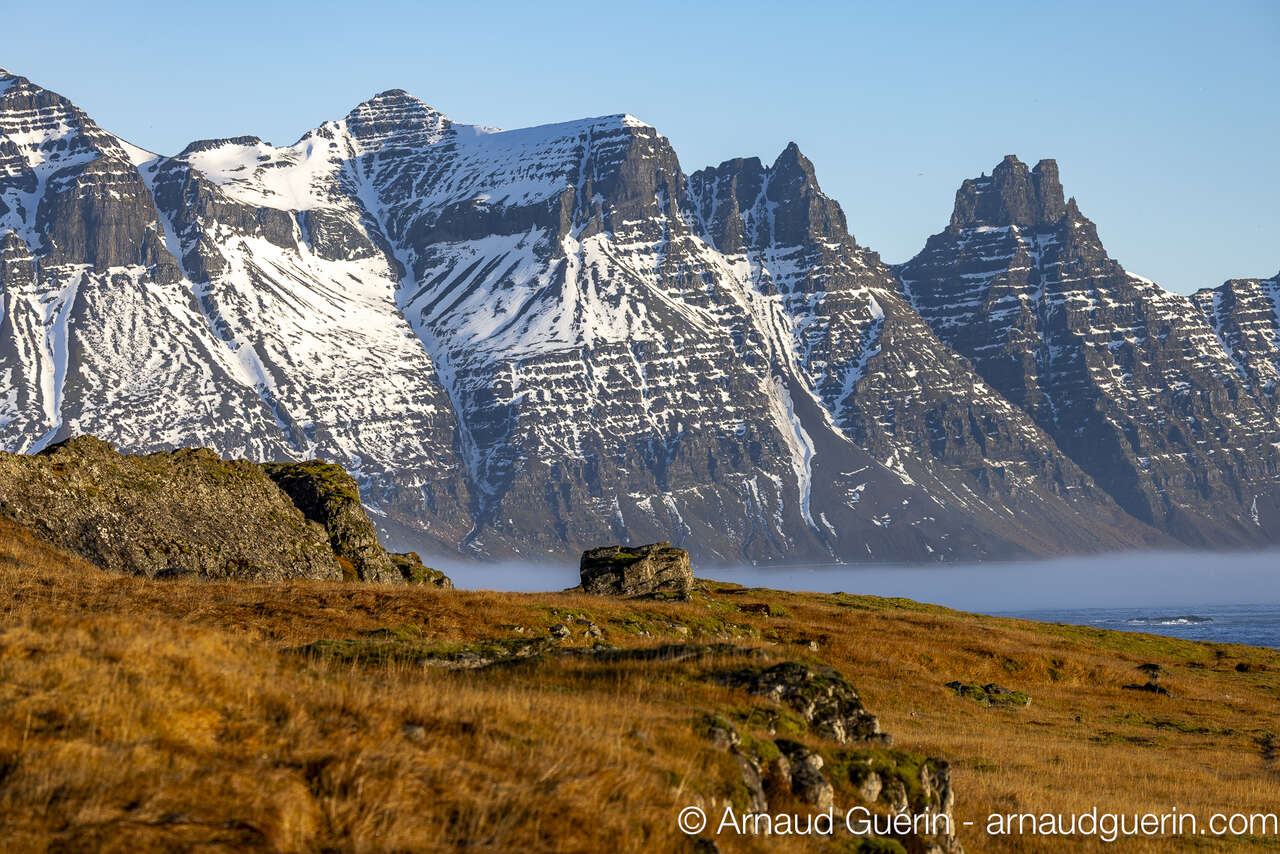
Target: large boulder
[(636, 570), (414, 571)]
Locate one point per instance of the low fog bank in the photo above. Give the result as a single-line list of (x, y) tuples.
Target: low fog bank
[(514, 576), (1129, 580), (1125, 580)]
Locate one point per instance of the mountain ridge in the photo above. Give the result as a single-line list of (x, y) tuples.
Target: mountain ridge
[(527, 342)]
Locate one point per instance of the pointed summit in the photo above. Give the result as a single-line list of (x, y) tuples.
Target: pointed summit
[(802, 211), (1012, 195), (793, 164), (748, 206), (396, 117)]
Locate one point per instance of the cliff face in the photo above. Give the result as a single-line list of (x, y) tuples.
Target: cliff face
[(328, 496), (190, 513)]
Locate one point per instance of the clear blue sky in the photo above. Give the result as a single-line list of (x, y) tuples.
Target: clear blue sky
[(1164, 117)]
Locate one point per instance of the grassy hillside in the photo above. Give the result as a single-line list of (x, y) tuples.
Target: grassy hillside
[(140, 715)]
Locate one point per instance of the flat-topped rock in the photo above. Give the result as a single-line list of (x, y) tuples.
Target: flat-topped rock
[(636, 570)]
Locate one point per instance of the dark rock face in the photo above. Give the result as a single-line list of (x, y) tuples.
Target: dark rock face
[(1245, 315), (1010, 196), (628, 571), (1128, 379)]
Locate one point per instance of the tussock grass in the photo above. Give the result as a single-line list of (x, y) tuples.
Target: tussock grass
[(149, 716)]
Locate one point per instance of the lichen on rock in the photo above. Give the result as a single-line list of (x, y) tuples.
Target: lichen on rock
[(821, 695), (188, 513), (636, 571)]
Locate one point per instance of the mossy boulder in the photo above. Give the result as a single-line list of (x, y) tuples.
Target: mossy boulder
[(636, 571), (413, 571)]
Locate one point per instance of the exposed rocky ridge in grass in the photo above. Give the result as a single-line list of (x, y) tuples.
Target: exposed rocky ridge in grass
[(803, 742), (189, 512)]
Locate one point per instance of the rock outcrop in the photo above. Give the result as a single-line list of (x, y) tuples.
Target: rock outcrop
[(821, 695), (189, 513), (781, 774), (413, 571), (636, 571), (327, 495), (989, 694), (804, 767)]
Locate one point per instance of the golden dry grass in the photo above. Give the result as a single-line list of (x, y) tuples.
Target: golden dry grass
[(149, 716)]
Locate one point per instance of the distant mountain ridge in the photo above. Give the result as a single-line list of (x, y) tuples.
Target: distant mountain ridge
[(529, 342)]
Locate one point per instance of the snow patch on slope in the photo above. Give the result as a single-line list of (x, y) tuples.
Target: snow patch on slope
[(798, 442)]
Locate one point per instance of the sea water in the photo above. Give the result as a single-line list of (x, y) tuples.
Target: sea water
[(1194, 595), (1256, 625)]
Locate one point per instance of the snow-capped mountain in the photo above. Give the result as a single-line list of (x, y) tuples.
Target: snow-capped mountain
[(1130, 380), (530, 341)]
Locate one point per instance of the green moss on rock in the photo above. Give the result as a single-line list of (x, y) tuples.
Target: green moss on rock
[(175, 514), (413, 571), (990, 694), (327, 495)]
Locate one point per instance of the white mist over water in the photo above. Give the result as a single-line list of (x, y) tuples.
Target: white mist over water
[(1125, 580)]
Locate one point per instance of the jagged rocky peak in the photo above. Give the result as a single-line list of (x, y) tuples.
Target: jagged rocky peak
[(1127, 378), (719, 195), (395, 116), (1011, 195), (802, 210), (745, 205)]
